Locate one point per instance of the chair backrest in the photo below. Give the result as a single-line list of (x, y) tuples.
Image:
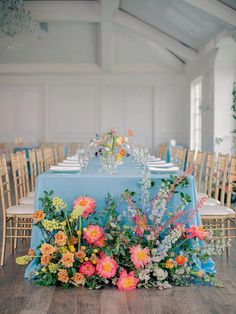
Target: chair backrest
[(33, 168), (40, 161), (61, 152), (25, 172), (55, 154), (190, 159), (231, 188), (5, 193), (180, 157), (198, 168), (17, 177), (220, 181), (73, 147), (48, 157), (173, 152), (162, 151), (208, 175)]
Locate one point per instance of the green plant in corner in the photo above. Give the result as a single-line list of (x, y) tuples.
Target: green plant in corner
[(234, 116)]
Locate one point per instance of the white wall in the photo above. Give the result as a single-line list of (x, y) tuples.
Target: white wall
[(75, 107), (225, 75)]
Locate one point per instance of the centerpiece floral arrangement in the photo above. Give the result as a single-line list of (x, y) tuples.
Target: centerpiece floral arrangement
[(128, 248), (111, 148)]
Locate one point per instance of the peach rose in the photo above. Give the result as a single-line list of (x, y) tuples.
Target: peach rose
[(31, 252), (47, 249), (38, 215), (67, 259), (63, 276), (78, 279), (60, 238), (80, 255), (73, 240), (45, 260)]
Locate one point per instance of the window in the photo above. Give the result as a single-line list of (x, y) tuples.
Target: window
[(196, 114)]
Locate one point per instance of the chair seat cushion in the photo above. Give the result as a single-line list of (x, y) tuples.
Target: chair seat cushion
[(209, 210), (26, 200), (31, 194), (211, 201), (200, 195), (20, 210)]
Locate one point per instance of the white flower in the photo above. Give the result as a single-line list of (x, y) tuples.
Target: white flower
[(159, 273)]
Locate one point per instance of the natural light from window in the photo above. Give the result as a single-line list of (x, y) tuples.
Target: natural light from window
[(196, 115)]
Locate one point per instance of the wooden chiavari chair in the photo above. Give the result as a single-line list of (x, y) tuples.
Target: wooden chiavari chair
[(16, 220), (208, 178), (162, 151), (173, 153), (33, 170), (180, 158), (73, 147), (55, 154), (190, 159), (61, 152), (198, 168), (218, 218), (40, 161), (48, 157), (19, 189)]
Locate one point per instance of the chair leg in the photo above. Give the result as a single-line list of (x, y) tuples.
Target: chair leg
[(16, 234), (228, 249), (3, 241), (11, 238)]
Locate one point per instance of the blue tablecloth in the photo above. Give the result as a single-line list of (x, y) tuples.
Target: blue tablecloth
[(69, 186)]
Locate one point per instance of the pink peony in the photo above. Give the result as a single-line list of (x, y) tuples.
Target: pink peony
[(197, 232), (141, 224), (140, 257), (106, 267), (127, 281), (85, 204), (93, 234), (87, 269)]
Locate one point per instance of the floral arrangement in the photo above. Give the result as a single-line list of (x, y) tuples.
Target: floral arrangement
[(126, 248), (112, 144)]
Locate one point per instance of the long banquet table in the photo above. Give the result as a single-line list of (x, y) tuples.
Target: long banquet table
[(93, 183)]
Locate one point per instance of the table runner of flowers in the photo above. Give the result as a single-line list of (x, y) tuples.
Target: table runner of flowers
[(131, 248)]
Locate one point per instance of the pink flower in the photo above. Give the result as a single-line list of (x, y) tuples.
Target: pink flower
[(85, 204), (130, 132), (94, 235), (141, 224), (127, 281), (140, 257), (197, 232), (87, 269), (106, 267)]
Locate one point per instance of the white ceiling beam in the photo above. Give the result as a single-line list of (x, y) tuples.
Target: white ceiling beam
[(106, 41), (85, 11), (154, 35), (217, 9)]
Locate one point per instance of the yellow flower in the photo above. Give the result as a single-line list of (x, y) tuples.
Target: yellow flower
[(70, 220), (95, 250), (78, 232), (94, 262), (118, 157), (83, 248), (63, 223), (85, 229), (43, 269), (71, 248), (86, 259)]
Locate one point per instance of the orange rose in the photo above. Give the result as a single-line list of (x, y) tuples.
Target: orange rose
[(80, 255), (47, 249), (67, 259), (63, 276), (73, 240), (169, 264), (180, 259), (130, 132), (31, 252), (200, 273), (38, 215), (60, 238), (78, 279), (45, 259)]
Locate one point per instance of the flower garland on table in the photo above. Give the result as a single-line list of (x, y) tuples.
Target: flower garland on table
[(83, 248)]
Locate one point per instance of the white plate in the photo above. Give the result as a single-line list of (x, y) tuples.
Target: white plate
[(156, 160), (73, 158), (158, 165), (65, 161), (155, 169), (70, 164), (64, 169)]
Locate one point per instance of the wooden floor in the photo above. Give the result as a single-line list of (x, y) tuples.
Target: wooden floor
[(21, 296)]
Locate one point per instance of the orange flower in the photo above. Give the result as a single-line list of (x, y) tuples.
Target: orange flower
[(106, 267), (169, 264), (80, 255), (60, 238), (45, 259), (73, 240), (122, 152), (200, 273), (63, 276), (38, 215), (78, 279), (139, 256), (127, 281), (67, 259), (47, 249), (93, 234), (180, 260), (130, 132), (31, 252)]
